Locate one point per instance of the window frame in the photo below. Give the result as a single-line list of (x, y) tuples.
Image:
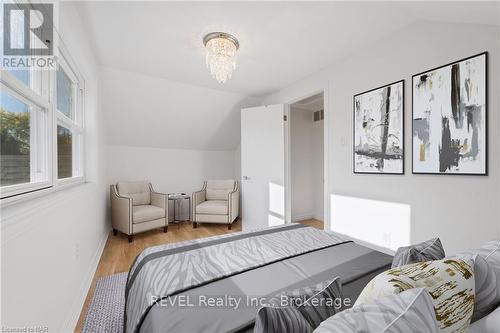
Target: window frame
[(75, 126), (44, 81), (13, 87)]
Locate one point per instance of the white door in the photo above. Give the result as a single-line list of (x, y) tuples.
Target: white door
[(263, 166)]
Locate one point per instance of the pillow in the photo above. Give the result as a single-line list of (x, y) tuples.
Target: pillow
[(487, 281), (410, 311), (294, 296), (490, 251), (429, 250), (286, 319), (323, 305), (450, 282), (303, 318), (487, 276)]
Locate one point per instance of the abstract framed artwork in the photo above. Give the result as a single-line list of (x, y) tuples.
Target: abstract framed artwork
[(379, 130), (449, 122)]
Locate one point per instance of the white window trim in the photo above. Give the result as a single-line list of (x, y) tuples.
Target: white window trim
[(20, 88), (75, 126), (39, 193), (20, 189), (48, 102)]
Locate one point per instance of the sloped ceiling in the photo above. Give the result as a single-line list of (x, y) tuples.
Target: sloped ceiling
[(147, 111), (281, 42), (173, 102)]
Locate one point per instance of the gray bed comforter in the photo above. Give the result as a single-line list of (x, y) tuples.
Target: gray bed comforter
[(215, 284)]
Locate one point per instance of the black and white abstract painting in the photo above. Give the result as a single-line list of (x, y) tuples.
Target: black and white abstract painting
[(449, 118), (378, 130)]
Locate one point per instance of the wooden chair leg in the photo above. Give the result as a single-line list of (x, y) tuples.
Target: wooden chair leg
[(130, 238), (229, 227), (115, 232), (165, 228)]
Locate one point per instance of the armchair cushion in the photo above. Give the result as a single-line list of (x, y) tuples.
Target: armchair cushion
[(219, 189), (144, 213), (213, 207), (138, 191)]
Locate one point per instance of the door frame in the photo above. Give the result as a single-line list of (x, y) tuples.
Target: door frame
[(326, 155), (288, 176)]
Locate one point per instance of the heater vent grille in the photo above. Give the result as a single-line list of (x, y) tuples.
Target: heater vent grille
[(319, 115)]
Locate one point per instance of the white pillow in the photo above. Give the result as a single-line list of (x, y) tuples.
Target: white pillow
[(487, 277), (450, 282), (489, 251), (410, 311), (487, 285)]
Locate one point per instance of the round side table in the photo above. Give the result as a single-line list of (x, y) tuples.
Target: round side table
[(177, 199)]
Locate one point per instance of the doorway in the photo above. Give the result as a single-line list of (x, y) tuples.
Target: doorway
[(306, 160)]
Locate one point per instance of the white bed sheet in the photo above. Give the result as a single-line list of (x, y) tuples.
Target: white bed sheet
[(488, 324)]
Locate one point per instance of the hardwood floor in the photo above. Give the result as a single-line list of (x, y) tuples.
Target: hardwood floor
[(313, 223), (118, 253)]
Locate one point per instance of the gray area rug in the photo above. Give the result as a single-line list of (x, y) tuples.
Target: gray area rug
[(105, 312)]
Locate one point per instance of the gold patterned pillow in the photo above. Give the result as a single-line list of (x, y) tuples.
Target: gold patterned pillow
[(450, 282)]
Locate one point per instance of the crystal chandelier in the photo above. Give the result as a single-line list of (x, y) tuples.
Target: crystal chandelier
[(221, 54)]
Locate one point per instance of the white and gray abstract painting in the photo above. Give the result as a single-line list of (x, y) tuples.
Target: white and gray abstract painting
[(449, 118), (378, 130)]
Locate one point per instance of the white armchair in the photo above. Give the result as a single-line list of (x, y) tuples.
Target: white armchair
[(217, 202), (136, 207)]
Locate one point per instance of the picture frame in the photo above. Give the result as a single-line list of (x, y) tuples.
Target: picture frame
[(378, 130), (449, 118)]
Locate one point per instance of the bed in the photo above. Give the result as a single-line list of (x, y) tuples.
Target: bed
[(217, 284)]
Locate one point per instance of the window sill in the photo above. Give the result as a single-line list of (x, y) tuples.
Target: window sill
[(61, 186), (68, 182)]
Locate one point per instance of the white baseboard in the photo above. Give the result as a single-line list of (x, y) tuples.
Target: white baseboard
[(301, 217), (76, 309)]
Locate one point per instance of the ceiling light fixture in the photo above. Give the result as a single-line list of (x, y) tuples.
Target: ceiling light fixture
[(221, 50)]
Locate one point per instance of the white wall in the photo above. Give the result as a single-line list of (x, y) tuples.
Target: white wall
[(173, 134), (462, 210), (302, 164), (237, 172), (306, 170), (148, 111), (317, 169), (169, 170), (51, 245), (237, 163)]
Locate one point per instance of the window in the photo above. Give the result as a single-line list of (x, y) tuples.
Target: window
[(17, 27), (24, 144), (69, 129), (15, 141), (64, 93), (34, 79), (41, 129), (22, 75), (64, 153)]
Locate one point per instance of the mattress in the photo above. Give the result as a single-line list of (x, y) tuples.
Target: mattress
[(229, 302)]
